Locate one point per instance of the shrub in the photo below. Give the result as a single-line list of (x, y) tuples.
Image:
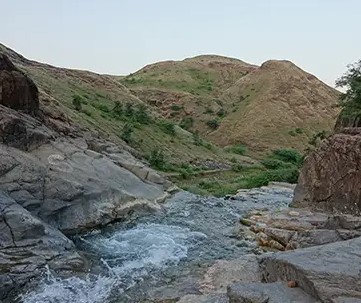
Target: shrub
[(129, 111), (126, 134), (118, 108), (186, 123), (167, 127), (288, 155), (208, 111), (317, 137), (237, 149), (141, 114), (103, 108), (176, 107), (274, 163), (213, 124), (197, 140), (157, 159), (292, 133), (77, 101), (221, 113)]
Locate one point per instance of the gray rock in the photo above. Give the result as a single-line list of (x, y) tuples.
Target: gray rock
[(27, 245), (325, 272), (223, 272), (266, 293), (74, 189), (346, 300), (281, 235), (314, 237), (212, 298)]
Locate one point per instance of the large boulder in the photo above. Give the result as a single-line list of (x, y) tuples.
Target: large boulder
[(330, 179), (73, 188), (27, 245), (327, 273), (17, 91)]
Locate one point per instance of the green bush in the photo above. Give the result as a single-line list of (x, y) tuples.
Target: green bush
[(141, 114), (157, 159), (186, 123), (213, 124), (275, 163), (77, 101), (129, 110), (288, 155), (239, 149), (167, 127), (317, 137), (176, 107), (197, 140), (208, 111), (126, 134), (118, 108), (221, 113)]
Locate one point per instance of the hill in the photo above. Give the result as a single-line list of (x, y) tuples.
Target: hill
[(230, 102), (148, 132), (167, 113)]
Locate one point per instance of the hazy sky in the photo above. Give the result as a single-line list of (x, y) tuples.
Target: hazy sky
[(121, 36)]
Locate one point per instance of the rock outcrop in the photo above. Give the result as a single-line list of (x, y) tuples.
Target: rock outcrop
[(331, 176), (52, 185), (328, 273), (17, 90), (27, 245)]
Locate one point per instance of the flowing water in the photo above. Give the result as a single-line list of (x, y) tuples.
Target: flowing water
[(161, 255)]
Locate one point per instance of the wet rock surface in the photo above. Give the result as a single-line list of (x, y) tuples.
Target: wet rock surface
[(27, 245)]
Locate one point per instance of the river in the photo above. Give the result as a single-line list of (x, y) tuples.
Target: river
[(161, 255)]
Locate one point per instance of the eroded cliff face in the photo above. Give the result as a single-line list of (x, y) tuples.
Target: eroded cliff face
[(52, 185), (330, 179)]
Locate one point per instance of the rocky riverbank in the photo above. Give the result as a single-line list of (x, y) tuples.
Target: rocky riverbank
[(57, 180)]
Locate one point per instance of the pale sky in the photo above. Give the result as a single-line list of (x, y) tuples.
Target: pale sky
[(121, 36)]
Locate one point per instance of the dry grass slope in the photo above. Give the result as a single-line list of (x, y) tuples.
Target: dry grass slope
[(231, 102)]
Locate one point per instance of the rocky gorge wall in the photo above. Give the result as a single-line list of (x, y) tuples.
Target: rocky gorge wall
[(331, 176), (53, 185)]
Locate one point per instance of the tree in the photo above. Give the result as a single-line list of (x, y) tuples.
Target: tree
[(352, 81), (351, 99), (77, 100)]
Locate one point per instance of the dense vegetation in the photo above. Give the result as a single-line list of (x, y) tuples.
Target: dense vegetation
[(351, 99), (280, 165)]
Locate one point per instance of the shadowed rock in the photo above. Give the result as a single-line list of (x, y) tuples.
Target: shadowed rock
[(17, 90)]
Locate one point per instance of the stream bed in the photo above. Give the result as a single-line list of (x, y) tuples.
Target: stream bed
[(162, 255)]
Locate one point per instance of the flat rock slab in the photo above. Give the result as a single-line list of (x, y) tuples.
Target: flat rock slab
[(267, 293), (346, 300), (325, 272), (224, 272), (213, 298)]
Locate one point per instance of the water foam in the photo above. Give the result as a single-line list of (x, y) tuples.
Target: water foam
[(91, 289), (128, 256)]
